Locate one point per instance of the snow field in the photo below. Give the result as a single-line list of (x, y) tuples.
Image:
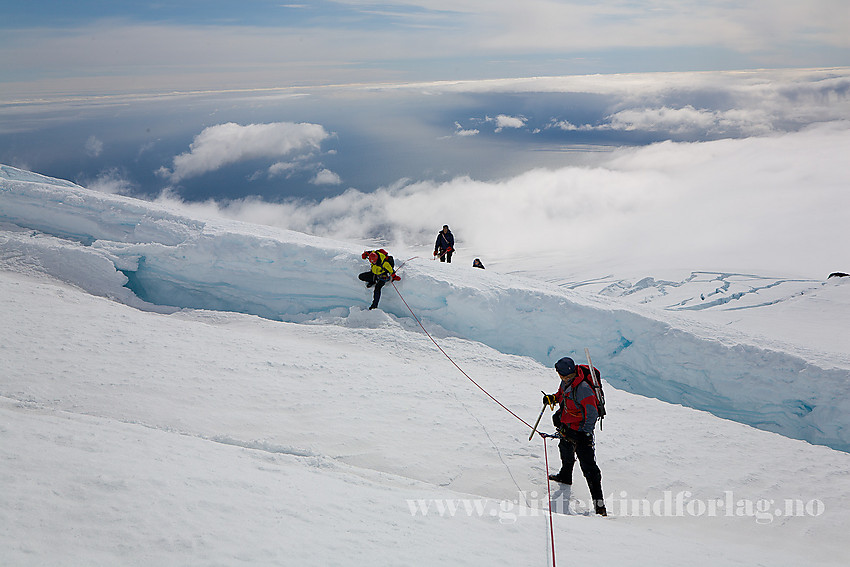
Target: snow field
[(202, 437), (180, 391)]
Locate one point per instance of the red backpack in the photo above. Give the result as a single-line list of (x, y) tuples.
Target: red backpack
[(595, 384)]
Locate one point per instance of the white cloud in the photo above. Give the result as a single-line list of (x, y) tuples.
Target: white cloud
[(461, 131), (723, 205), (281, 168), (93, 146), (745, 121), (689, 119), (326, 177), (504, 121), (565, 125), (111, 181), (735, 103), (230, 143)]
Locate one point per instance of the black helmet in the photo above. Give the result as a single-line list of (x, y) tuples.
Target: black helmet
[(565, 366)]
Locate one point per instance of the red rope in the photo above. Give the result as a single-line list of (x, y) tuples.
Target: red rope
[(545, 451), (549, 490), (455, 364)]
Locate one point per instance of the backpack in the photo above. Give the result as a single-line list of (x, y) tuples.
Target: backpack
[(597, 393), (596, 386), (387, 254)]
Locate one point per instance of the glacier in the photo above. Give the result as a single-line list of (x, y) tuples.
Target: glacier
[(154, 257)]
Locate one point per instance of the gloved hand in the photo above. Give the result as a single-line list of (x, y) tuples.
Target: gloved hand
[(396, 278), (365, 254), (435, 252), (549, 400), (449, 249)]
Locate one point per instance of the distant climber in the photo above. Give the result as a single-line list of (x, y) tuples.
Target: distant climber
[(381, 271), (575, 420), (444, 247), (477, 264)]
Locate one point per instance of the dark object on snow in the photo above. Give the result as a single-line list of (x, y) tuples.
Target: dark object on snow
[(444, 247), (838, 275), (477, 264)]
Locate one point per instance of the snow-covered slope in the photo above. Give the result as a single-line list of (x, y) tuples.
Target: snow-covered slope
[(131, 250), (166, 431)]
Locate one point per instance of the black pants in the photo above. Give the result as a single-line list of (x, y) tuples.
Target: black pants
[(373, 279), (446, 256), (583, 449)]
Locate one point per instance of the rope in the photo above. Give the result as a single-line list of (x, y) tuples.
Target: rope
[(545, 450), (549, 489), (401, 265), (455, 363)]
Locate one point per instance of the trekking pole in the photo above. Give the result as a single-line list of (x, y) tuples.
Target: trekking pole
[(534, 429)]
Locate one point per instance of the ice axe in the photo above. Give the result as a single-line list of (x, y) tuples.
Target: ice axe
[(536, 423)]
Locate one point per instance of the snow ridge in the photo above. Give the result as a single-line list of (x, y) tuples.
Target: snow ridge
[(155, 258)]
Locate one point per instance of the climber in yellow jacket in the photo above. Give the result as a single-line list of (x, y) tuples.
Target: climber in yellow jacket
[(381, 271)]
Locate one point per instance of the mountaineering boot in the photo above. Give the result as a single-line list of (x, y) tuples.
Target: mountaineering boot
[(561, 477), (600, 507)]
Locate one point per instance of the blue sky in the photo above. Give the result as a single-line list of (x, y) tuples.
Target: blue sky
[(87, 46)]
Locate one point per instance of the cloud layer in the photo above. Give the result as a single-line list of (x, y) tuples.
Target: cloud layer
[(74, 50), (680, 105), (723, 205), (224, 144)]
